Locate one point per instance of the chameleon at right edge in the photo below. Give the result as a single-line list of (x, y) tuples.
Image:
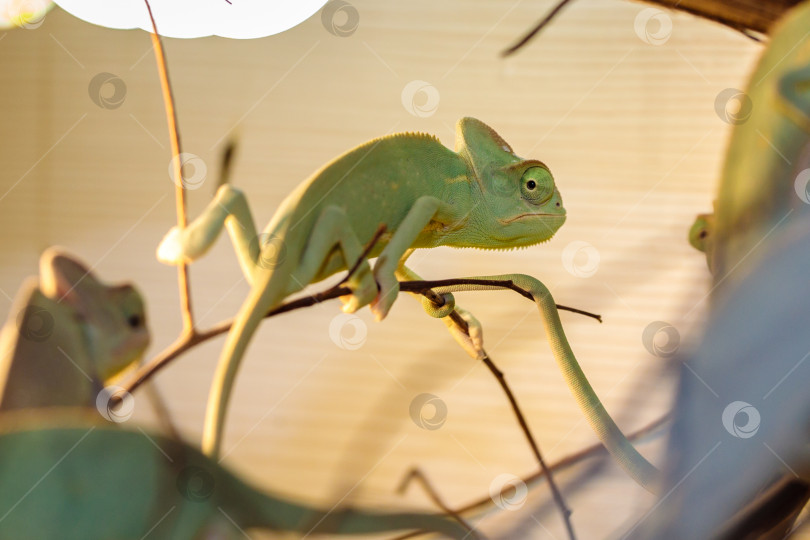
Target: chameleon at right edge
[(767, 153), (737, 462)]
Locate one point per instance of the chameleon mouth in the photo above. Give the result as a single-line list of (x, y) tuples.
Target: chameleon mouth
[(530, 215)]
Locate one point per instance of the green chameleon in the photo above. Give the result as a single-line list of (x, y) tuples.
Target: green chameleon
[(67, 335), (746, 438), (426, 195), (701, 236), (65, 475), (767, 152)]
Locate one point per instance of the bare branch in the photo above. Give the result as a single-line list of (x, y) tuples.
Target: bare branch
[(177, 167), (753, 18), (187, 342), (569, 461)]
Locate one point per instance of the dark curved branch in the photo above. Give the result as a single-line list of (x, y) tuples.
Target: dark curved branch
[(187, 342), (752, 18)]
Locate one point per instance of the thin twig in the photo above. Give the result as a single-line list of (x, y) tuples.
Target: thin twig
[(572, 459), (418, 476), (568, 461), (752, 18), (187, 342), (177, 168), (555, 491), (364, 255), (225, 164), (539, 26), (419, 287), (565, 512), (414, 286)]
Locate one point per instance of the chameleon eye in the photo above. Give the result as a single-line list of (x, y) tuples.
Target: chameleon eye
[(135, 321), (537, 186)]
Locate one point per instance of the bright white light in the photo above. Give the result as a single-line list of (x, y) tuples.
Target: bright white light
[(23, 13), (239, 19)]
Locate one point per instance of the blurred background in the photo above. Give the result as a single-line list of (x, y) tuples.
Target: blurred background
[(630, 110)]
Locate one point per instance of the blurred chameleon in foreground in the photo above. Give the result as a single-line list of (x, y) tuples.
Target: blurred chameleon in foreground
[(738, 463), (767, 167), (67, 473), (67, 335), (68, 476)]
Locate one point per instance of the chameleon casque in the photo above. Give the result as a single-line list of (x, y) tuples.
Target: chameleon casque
[(481, 195), (67, 335)]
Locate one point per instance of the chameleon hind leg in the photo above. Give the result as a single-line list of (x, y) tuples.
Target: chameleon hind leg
[(335, 236), (228, 209), (334, 230)]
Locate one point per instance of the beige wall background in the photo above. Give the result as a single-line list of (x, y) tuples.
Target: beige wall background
[(629, 129)]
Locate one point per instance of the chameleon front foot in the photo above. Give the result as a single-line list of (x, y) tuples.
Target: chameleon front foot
[(364, 290), (389, 290)]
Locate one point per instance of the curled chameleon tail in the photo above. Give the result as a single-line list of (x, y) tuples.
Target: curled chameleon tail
[(636, 465)]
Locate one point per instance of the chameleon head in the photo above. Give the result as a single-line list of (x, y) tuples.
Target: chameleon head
[(113, 316), (700, 231), (701, 236), (521, 205)]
